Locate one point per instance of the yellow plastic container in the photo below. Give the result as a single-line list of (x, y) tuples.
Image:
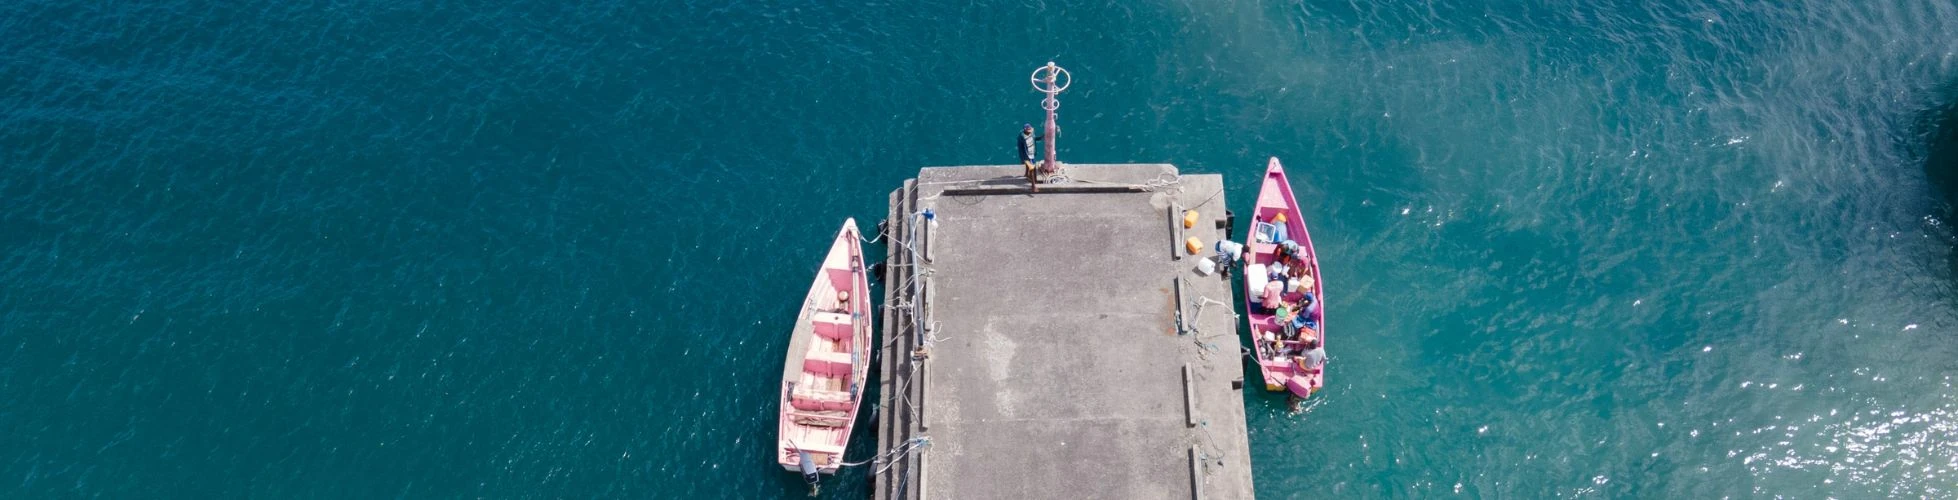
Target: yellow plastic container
[(1189, 219), (1193, 244)]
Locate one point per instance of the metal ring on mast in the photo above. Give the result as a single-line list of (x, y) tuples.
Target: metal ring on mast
[(1051, 79)]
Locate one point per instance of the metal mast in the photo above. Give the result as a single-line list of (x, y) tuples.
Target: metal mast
[(1051, 80)]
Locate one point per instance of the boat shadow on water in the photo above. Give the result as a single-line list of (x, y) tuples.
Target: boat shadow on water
[(1941, 167)]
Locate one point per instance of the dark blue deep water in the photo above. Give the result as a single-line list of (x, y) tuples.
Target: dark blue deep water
[(410, 249)]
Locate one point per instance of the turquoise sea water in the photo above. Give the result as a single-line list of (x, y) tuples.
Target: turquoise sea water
[(357, 249)]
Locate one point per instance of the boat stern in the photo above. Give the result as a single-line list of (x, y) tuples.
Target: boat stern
[(1300, 386), (806, 462), (1284, 378)]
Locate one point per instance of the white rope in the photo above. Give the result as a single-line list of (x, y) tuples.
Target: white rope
[(1197, 332), (908, 301), (903, 448), (915, 445), (1205, 301), (932, 337)]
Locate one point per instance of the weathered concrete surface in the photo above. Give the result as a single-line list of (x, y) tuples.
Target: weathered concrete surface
[(1055, 366)]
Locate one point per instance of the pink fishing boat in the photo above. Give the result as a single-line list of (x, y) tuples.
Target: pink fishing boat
[(1283, 291), (829, 357)]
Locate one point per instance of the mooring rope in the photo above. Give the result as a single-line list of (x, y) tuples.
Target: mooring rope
[(917, 445), (895, 452)]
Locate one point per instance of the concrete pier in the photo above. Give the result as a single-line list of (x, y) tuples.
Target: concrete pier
[(1059, 344)]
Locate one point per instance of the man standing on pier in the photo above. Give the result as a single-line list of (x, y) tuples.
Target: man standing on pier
[(1027, 140)]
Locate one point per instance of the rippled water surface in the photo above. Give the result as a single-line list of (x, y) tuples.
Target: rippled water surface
[(365, 249)]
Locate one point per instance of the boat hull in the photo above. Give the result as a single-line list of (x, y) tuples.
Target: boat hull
[(1277, 354), (828, 360)]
